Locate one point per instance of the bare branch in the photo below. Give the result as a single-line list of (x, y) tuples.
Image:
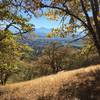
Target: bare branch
[(80, 38), (9, 25)]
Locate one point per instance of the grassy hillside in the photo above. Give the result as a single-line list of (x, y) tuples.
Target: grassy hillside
[(80, 84)]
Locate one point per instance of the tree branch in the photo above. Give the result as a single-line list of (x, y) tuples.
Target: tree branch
[(97, 24), (67, 12), (86, 15), (80, 38), (8, 26), (96, 3)]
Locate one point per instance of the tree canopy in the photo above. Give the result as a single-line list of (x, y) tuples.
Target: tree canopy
[(84, 14), (11, 23)]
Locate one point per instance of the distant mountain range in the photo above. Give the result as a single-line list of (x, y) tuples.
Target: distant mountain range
[(40, 42), (42, 31)]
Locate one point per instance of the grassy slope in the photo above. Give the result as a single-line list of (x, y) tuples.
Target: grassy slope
[(82, 83)]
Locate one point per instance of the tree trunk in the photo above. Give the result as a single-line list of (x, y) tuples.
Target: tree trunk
[(5, 79), (97, 44)]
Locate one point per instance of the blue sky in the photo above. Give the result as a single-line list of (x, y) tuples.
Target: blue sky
[(44, 22)]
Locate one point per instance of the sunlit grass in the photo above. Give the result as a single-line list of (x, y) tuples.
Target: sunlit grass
[(61, 86)]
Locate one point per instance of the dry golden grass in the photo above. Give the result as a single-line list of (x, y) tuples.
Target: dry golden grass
[(83, 84)]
